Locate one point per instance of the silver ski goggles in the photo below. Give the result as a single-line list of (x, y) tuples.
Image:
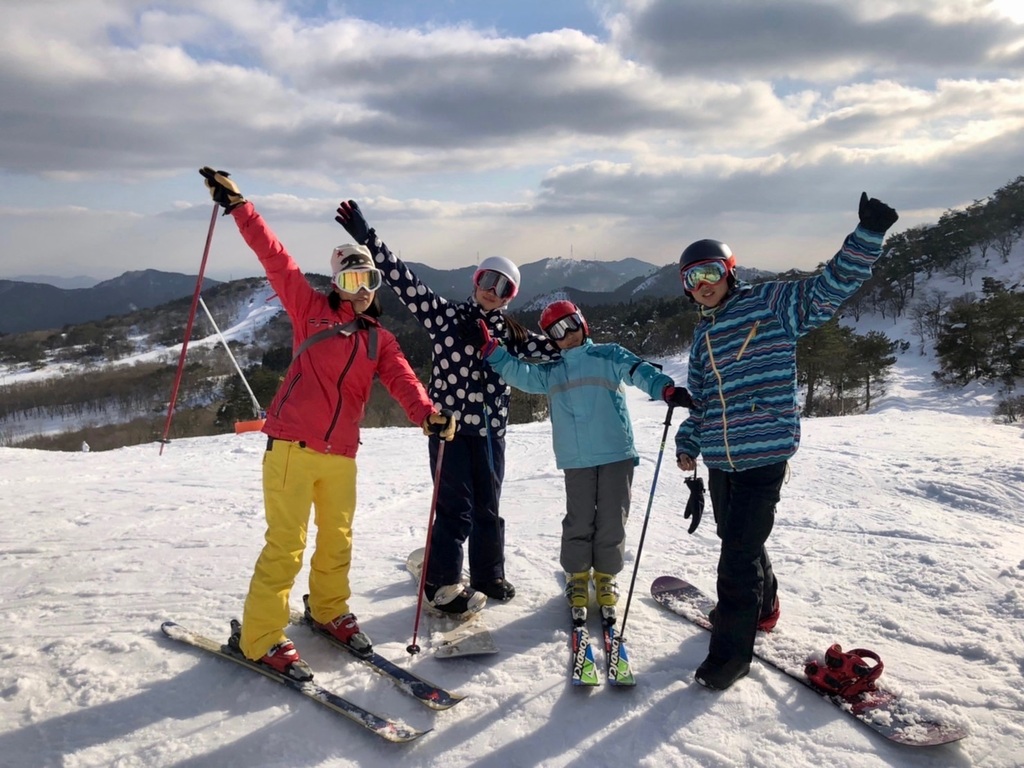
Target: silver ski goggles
[(562, 328)]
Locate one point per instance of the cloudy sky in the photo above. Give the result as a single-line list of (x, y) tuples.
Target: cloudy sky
[(468, 128)]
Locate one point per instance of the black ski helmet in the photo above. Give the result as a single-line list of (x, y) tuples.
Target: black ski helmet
[(708, 250)]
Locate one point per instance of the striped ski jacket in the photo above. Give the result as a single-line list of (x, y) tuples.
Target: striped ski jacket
[(742, 371)]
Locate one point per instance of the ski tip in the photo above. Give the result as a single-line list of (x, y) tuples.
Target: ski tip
[(411, 734)]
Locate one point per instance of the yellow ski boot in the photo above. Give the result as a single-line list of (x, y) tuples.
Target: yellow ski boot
[(577, 589)]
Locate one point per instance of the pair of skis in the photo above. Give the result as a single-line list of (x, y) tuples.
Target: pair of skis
[(430, 695), (454, 638), (584, 666)]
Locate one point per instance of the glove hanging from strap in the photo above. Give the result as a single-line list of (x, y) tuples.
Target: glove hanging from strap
[(695, 504), (845, 674)]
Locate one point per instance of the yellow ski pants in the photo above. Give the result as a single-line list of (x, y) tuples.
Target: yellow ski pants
[(295, 478)]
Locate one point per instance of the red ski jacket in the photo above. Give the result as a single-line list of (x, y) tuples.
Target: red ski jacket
[(322, 399)]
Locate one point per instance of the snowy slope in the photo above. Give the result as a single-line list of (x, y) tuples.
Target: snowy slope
[(899, 530)]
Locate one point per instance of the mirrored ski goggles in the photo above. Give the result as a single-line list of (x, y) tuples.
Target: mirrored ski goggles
[(489, 280), (353, 281), (565, 326), (709, 272)]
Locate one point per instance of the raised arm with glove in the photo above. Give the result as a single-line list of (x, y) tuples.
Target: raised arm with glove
[(875, 216), (352, 219), (223, 190)]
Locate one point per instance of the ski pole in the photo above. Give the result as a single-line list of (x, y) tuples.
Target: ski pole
[(647, 517), (413, 647), (188, 330), (256, 407)]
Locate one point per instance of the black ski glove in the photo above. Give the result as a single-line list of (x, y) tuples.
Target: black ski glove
[(695, 504), (352, 219), (223, 190), (876, 216), (677, 396)]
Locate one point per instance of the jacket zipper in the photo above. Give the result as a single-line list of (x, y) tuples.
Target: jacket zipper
[(341, 378), (287, 394), (750, 336), (721, 397)]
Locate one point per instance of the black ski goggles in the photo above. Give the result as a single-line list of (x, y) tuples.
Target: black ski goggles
[(562, 328), (489, 280)]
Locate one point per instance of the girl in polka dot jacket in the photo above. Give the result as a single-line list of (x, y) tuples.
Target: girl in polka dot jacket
[(474, 462)]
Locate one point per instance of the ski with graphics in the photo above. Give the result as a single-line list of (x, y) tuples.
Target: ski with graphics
[(425, 692), (386, 728), (619, 670), (584, 667)]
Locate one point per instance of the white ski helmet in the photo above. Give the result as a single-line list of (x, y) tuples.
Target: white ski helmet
[(502, 266)]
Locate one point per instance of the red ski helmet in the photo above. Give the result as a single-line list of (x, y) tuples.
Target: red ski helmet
[(559, 310)]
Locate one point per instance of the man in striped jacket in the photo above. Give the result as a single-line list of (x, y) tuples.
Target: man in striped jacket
[(742, 377)]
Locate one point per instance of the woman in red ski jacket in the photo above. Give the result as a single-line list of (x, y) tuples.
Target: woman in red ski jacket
[(313, 435)]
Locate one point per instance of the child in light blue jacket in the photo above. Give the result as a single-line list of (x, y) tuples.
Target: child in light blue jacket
[(593, 441)]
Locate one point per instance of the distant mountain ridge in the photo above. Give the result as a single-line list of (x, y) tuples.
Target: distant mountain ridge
[(660, 283), (539, 277), (26, 306), (77, 281), (36, 306)]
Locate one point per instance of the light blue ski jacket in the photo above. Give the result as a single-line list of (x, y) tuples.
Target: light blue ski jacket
[(590, 423)]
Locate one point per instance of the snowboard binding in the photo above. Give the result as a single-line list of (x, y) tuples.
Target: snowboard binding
[(845, 673)]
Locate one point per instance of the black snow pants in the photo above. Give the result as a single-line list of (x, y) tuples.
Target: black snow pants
[(467, 508), (744, 508)]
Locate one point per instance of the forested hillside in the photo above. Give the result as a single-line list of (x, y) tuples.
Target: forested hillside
[(956, 283)]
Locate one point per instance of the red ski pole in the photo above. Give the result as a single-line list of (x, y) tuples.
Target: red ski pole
[(413, 647), (188, 330)]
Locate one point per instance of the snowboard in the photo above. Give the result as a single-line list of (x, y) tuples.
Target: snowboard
[(452, 637), (884, 711)]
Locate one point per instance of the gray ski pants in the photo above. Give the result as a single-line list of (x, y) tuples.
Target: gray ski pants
[(596, 507)]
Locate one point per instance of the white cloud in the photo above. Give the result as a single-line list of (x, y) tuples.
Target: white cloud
[(464, 139)]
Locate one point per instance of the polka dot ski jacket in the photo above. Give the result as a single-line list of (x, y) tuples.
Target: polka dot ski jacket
[(460, 380)]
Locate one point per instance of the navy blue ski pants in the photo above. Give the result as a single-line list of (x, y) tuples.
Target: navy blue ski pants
[(467, 508)]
